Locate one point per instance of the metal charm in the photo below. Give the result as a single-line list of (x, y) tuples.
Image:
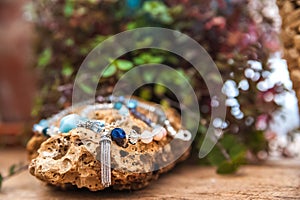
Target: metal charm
[(105, 160)]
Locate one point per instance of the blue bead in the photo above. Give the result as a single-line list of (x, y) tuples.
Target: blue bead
[(118, 105), (119, 136), (111, 98), (121, 98), (45, 131), (123, 111), (118, 133), (44, 123), (70, 122), (132, 104), (148, 121)]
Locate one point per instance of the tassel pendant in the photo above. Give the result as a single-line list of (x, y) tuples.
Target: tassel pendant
[(105, 144)]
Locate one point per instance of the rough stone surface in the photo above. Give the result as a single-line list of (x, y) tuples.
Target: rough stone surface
[(72, 158)]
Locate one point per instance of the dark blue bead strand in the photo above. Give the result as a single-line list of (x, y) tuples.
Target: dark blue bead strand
[(141, 117)]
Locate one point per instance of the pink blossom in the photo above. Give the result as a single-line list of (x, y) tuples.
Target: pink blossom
[(262, 122), (216, 21)]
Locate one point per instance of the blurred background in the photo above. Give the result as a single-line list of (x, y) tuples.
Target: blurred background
[(255, 45), (17, 78)]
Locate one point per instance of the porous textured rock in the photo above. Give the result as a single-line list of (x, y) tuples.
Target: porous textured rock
[(73, 158)]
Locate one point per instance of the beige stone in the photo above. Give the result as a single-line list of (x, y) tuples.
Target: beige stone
[(73, 158)]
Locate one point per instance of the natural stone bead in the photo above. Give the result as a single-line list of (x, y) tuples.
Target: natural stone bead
[(69, 122), (159, 133), (147, 137)]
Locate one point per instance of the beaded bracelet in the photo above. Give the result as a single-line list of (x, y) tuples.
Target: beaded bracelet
[(112, 131)]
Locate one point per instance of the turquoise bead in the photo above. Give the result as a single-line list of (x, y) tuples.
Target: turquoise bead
[(132, 104), (44, 123), (123, 111), (118, 105), (41, 126), (70, 122)]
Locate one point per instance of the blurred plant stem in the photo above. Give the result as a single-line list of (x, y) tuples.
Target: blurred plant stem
[(12, 171)]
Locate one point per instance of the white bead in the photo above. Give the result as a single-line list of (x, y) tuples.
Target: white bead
[(37, 128), (146, 140), (159, 132), (171, 131), (53, 130), (158, 136), (133, 137), (146, 137)]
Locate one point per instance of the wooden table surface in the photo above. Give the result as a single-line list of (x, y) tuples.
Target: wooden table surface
[(274, 180)]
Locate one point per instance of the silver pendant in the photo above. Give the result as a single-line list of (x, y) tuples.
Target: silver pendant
[(105, 159)]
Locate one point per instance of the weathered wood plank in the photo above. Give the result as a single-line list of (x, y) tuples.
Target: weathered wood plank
[(275, 180)]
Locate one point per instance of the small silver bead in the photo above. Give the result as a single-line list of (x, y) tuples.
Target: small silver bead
[(133, 137), (172, 132), (167, 122), (184, 135)]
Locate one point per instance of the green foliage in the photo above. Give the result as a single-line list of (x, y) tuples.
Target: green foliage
[(109, 71), (1, 180), (13, 170), (159, 89), (87, 89), (44, 58), (256, 141), (67, 69), (227, 167), (227, 155), (147, 57), (71, 29), (123, 64), (158, 11), (69, 8), (146, 94)]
